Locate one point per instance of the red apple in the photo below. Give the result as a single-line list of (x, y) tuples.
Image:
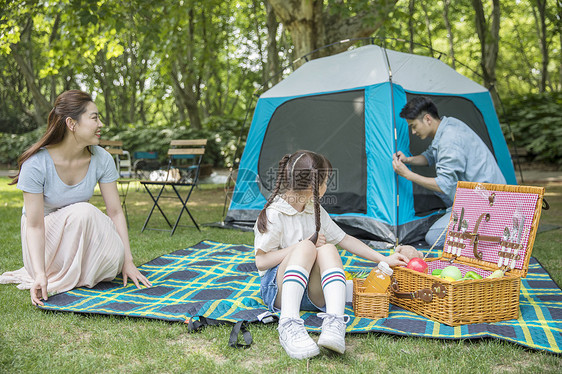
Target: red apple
[(417, 264)]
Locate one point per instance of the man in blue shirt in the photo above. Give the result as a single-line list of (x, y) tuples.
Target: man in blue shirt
[(457, 152)]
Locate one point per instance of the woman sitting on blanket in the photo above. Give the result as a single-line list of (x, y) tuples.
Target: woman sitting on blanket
[(298, 261), (66, 241)]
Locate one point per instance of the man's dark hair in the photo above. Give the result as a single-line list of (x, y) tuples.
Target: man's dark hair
[(417, 107)]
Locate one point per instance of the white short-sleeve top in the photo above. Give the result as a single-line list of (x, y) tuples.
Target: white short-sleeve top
[(287, 226)]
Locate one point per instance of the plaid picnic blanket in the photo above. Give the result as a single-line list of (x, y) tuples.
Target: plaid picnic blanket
[(220, 281)]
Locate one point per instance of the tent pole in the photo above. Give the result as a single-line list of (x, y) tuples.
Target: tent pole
[(397, 226)]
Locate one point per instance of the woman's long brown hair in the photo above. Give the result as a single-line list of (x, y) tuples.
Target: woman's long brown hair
[(71, 104), (298, 172)]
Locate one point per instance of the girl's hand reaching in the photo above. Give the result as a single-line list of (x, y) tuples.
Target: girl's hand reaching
[(396, 259)]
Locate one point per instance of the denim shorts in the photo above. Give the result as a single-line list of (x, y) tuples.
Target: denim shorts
[(269, 289)]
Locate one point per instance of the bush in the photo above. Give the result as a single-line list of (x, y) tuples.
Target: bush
[(13, 145), (222, 135), (536, 122)]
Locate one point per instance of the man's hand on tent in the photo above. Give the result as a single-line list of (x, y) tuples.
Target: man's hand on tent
[(398, 165), (402, 157), (401, 169)]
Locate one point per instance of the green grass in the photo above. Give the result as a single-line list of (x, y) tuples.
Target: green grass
[(33, 341)]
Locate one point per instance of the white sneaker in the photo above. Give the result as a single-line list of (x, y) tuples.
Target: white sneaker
[(295, 340), (333, 332)]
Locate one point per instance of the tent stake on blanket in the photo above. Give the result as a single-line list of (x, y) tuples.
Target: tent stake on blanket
[(237, 328)]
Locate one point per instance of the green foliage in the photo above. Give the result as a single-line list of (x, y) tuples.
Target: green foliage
[(10, 35), (221, 133), (536, 122), (13, 122), (144, 62), (518, 69), (189, 68), (13, 145)]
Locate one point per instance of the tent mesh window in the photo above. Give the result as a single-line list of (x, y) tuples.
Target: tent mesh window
[(332, 125), (425, 201)]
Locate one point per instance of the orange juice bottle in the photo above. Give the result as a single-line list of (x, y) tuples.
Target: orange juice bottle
[(378, 280)]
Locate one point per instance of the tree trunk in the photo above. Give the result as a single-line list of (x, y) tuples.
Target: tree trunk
[(108, 120), (176, 85), (312, 26), (272, 47), (411, 31), (428, 27), (529, 78), (489, 44), (24, 63), (560, 54), (133, 110), (450, 38), (263, 58), (540, 22), (141, 81), (52, 37), (105, 87), (193, 113), (559, 26), (300, 18), (185, 83), (42, 106), (188, 100)]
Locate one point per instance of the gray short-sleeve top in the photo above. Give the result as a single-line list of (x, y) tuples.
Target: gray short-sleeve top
[(39, 175)]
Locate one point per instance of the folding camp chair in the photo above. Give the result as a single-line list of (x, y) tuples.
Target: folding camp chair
[(123, 165), (184, 161)]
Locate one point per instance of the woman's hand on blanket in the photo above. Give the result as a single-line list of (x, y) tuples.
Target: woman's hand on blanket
[(131, 271), (396, 259), (39, 290)]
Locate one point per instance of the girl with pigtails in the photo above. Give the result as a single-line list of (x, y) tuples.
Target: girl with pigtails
[(296, 256)]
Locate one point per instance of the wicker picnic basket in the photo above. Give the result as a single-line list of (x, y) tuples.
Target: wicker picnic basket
[(482, 247), (370, 305)]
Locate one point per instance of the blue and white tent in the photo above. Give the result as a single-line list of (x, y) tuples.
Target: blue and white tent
[(347, 107)]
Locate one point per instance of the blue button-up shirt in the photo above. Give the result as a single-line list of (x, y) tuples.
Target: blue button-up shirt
[(459, 154)]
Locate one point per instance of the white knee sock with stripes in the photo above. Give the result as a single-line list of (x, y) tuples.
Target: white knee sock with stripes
[(294, 284), (334, 287)]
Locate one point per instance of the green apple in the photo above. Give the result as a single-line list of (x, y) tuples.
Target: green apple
[(452, 271)]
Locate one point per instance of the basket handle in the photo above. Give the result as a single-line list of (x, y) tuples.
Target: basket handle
[(475, 239), (425, 294)]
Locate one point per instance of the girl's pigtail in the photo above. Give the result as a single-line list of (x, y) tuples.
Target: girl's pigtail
[(316, 200), (281, 176)]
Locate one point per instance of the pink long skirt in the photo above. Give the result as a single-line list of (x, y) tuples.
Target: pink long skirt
[(82, 248)]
